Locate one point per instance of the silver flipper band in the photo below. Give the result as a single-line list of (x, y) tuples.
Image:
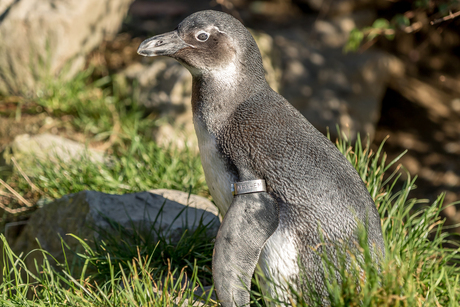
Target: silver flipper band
[(251, 186)]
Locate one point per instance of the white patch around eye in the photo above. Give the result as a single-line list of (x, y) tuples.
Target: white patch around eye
[(202, 32)]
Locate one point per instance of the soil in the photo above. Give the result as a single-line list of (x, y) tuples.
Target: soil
[(10, 127)]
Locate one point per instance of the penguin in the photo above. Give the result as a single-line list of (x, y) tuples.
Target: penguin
[(295, 195)]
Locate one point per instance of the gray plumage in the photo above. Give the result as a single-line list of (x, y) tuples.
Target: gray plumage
[(247, 131)]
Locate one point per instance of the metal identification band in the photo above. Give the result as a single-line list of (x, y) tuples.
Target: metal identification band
[(251, 186)]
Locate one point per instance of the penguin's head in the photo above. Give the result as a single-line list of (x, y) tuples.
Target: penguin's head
[(207, 41)]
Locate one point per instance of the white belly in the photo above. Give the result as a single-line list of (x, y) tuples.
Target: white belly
[(219, 180), (279, 263)]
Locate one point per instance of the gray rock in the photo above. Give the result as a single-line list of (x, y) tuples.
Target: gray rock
[(42, 38), (192, 200), (52, 147), (329, 87), (86, 213)]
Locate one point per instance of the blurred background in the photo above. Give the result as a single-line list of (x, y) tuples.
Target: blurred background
[(69, 71)]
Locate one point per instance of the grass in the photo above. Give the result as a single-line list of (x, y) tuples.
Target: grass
[(139, 286), (192, 252), (420, 268), (114, 122), (96, 108), (144, 166), (148, 269)]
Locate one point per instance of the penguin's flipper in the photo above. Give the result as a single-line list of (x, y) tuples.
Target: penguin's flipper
[(249, 222)]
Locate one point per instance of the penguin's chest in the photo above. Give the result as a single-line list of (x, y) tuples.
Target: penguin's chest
[(218, 176)]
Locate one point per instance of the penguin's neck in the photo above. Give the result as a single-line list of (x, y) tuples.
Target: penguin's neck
[(217, 94)]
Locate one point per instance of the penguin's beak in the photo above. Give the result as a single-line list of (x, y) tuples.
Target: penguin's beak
[(163, 44)]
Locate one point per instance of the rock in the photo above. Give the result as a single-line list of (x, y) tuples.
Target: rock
[(195, 201), (329, 87), (88, 212), (165, 88), (49, 147), (42, 38)]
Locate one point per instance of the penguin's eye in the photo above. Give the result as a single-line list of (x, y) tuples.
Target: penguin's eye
[(202, 36)]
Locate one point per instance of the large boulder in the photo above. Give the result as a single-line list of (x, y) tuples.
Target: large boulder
[(42, 38), (89, 213)]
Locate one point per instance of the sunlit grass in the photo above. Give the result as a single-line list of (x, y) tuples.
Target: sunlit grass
[(96, 108), (138, 285), (116, 123), (144, 166), (420, 268)]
